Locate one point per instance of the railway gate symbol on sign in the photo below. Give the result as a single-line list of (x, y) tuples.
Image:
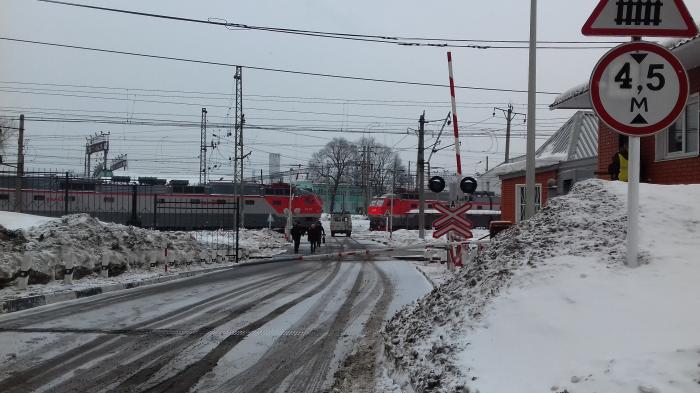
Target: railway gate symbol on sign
[(452, 220), (651, 18), (639, 88)]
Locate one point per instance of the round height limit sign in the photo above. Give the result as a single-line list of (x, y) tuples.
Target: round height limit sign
[(639, 88)]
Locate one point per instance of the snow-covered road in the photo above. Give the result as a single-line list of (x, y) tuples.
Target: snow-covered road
[(282, 327)]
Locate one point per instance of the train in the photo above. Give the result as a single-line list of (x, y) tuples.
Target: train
[(402, 208), (161, 204)]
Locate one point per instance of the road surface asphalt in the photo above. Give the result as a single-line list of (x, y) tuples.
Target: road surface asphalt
[(282, 327)]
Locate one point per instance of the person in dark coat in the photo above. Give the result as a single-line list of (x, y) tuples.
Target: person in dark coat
[(314, 236), (297, 232), (322, 234)]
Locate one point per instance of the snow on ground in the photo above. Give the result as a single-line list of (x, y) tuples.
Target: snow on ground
[(14, 221), (257, 243), (435, 272), (87, 242), (551, 306)]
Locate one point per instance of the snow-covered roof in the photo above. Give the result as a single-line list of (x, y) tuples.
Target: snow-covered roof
[(686, 49), (577, 139)]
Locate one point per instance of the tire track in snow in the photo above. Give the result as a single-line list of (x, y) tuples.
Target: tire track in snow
[(187, 378), (69, 309), (359, 371), (137, 365), (35, 376), (306, 364)]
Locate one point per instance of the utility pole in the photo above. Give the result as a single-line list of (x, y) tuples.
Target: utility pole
[(20, 166), (238, 152), (203, 149), (421, 173), (509, 115), (530, 189)]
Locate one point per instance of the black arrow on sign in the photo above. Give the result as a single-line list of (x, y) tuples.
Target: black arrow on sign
[(639, 57), (639, 120)]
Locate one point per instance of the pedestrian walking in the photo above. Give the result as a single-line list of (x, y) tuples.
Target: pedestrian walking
[(297, 232), (322, 235), (314, 236)]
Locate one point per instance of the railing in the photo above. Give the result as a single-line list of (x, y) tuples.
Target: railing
[(55, 194)]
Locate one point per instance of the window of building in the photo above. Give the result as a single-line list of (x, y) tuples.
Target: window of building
[(520, 200), (39, 197), (276, 203), (681, 140), (221, 201), (109, 199), (71, 199), (4, 197), (250, 202)]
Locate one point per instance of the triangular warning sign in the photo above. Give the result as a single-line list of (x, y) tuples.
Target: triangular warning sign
[(639, 119), (668, 18), (639, 57)]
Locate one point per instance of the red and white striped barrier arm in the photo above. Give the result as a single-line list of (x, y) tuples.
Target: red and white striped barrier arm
[(455, 125)]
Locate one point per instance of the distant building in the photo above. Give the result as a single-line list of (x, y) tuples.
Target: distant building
[(568, 156), (349, 198), (673, 155)]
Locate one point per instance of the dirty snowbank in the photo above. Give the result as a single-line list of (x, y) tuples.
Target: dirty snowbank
[(85, 241), (430, 341)]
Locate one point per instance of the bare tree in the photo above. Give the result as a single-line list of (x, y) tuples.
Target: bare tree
[(8, 134), (333, 163)]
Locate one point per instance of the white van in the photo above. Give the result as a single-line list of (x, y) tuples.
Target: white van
[(341, 223)]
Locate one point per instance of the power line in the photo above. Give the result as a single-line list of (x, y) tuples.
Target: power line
[(280, 70), (338, 100), (371, 38)]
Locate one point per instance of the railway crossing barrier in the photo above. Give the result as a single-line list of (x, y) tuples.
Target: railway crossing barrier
[(26, 264)]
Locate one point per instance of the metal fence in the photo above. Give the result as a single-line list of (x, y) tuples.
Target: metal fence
[(158, 206)]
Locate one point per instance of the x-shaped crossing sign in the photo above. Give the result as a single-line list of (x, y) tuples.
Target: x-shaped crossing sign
[(455, 216), (453, 221), (452, 227)]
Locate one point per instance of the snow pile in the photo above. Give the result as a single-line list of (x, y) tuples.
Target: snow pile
[(87, 242), (430, 341), (258, 243)]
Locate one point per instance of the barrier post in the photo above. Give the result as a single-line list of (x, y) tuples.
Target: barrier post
[(104, 267), (23, 280), (68, 265)]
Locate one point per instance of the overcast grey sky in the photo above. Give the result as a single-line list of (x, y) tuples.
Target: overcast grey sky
[(173, 151)]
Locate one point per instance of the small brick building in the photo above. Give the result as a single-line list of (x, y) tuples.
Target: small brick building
[(671, 156), (568, 156)]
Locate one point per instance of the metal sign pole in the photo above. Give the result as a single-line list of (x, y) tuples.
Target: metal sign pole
[(633, 202)]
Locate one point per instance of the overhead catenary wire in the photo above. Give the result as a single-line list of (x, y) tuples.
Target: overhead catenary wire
[(335, 100), (369, 38), (268, 69)]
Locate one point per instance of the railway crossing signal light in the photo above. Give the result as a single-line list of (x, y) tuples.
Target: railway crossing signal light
[(436, 184), (468, 185)]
